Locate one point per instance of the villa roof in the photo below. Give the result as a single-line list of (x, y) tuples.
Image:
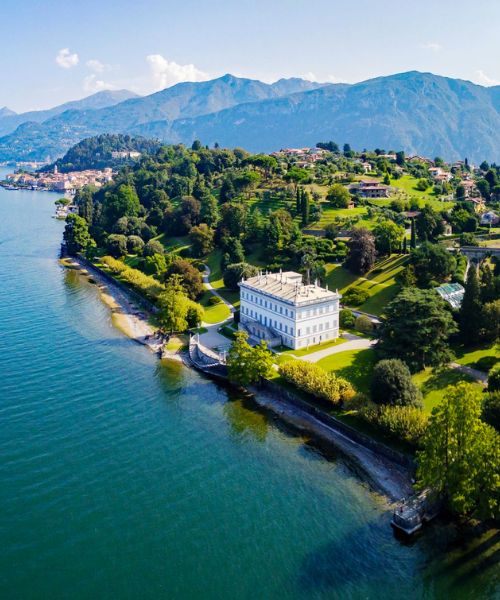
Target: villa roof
[(288, 286)]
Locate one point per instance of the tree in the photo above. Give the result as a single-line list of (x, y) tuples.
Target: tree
[(387, 179), (338, 196), (242, 367), (413, 237), (429, 224), (491, 321), (173, 306), (305, 206), (155, 265), (388, 236), (392, 384), (153, 247), (234, 273), (494, 379), (262, 360), (116, 245), (189, 277), (460, 460), (491, 410), (121, 202), (296, 175), (209, 211), (362, 252), (346, 319), (135, 244), (417, 329), (470, 317), (432, 263), (76, 234), (280, 230), (202, 240)]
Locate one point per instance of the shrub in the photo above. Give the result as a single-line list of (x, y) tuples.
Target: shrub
[(404, 423), (363, 324), (355, 296), (392, 384), (494, 379), (346, 319), (153, 247), (144, 284), (135, 244), (491, 410), (316, 381), (213, 300)]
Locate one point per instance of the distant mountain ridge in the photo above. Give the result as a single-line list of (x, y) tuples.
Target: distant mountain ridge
[(417, 112)]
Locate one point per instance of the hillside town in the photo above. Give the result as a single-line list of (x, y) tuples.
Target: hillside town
[(54, 181)]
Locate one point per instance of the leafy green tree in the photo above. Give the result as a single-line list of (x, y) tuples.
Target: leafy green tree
[(296, 175), (189, 277), (470, 317), (155, 265), (338, 196), (432, 263), (346, 319), (392, 384), (491, 410), (491, 321), (422, 185), (413, 236), (429, 224), (121, 202), (242, 367), (116, 245), (234, 273), (262, 361), (305, 207), (417, 329), (460, 460), (209, 211), (173, 305), (153, 247), (362, 252), (280, 230), (202, 240), (387, 179), (388, 236), (135, 244), (76, 234), (494, 379)]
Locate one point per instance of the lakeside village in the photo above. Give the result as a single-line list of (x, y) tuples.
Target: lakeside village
[(361, 287)]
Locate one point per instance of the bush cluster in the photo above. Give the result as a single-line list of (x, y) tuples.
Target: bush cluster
[(144, 284), (316, 381), (403, 423), (355, 297)]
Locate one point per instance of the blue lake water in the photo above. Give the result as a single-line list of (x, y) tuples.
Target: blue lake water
[(122, 477)]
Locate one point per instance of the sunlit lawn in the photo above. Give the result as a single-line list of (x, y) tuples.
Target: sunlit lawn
[(433, 382), (316, 348), (380, 282), (355, 365), (213, 313), (482, 359)]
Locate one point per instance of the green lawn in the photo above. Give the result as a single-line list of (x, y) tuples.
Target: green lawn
[(380, 282), (355, 365), (432, 384), (178, 244), (482, 359), (311, 349), (407, 183), (213, 313)]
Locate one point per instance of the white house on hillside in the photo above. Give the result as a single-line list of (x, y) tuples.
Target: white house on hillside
[(280, 309)]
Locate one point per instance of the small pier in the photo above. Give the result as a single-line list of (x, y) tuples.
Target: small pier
[(411, 514), (204, 359)]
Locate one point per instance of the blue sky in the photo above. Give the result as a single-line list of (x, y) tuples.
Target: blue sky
[(52, 51)]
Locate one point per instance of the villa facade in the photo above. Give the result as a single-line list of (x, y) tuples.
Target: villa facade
[(280, 309)]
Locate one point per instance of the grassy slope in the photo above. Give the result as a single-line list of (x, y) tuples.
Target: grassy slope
[(380, 282), (355, 365), (432, 384)]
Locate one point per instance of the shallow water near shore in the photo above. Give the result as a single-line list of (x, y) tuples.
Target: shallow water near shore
[(125, 477)]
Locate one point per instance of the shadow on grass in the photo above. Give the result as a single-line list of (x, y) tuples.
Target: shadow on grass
[(442, 378), (359, 371)]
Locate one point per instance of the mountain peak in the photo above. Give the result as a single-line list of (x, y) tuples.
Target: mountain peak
[(5, 111)]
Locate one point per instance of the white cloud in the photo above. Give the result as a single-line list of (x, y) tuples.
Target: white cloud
[(66, 60), (484, 79), (92, 85), (434, 46), (310, 76), (96, 65), (166, 73)]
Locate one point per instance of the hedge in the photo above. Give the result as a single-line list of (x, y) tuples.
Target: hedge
[(144, 284), (316, 381)]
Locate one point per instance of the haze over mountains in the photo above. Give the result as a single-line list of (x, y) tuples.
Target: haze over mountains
[(418, 112)]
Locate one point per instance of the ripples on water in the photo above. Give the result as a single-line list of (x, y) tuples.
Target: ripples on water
[(125, 478)]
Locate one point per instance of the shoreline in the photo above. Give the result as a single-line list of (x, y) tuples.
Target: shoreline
[(382, 476)]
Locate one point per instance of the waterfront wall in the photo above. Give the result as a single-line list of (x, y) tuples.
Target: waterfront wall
[(378, 448)]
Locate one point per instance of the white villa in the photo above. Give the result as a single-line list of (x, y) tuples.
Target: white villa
[(280, 309)]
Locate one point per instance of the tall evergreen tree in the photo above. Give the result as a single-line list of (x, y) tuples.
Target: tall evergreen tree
[(413, 240), (470, 316), (405, 244), (306, 207), (298, 201)]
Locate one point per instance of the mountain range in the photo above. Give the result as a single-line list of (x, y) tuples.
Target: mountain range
[(417, 112)]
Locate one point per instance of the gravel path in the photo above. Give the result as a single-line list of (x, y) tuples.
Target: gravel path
[(353, 344)]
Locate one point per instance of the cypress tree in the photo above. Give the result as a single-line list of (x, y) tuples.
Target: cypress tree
[(413, 241), (405, 244), (305, 208), (298, 201), (470, 315)]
